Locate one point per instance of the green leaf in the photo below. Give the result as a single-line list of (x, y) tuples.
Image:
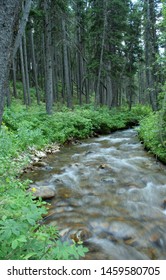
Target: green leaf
[(7, 233), (14, 244), (29, 255), (22, 239), (15, 231), (31, 221)]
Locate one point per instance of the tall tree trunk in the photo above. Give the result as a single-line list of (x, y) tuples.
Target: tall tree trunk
[(150, 51), (26, 70), (8, 97), (14, 78), (109, 85), (9, 10), (66, 66), (54, 70), (22, 24), (97, 97), (23, 74), (80, 48), (44, 60), (34, 66), (48, 55)]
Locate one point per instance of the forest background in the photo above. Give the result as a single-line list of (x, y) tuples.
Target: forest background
[(70, 70)]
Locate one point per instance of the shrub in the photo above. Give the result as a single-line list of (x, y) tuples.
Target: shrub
[(149, 132), (21, 235)]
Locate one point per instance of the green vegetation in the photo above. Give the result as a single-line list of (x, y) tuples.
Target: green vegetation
[(109, 53), (21, 236), (23, 127), (152, 130), (150, 134)]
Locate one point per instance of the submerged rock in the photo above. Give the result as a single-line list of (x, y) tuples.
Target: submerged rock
[(81, 235), (108, 180), (103, 166), (122, 230), (42, 191), (164, 204)]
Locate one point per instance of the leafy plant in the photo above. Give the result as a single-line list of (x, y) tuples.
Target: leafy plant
[(149, 132), (21, 235)]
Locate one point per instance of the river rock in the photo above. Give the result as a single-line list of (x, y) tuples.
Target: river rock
[(108, 180), (164, 204), (156, 239), (88, 153), (52, 149), (81, 235), (40, 154), (103, 166), (85, 234), (40, 164), (42, 191), (122, 230)]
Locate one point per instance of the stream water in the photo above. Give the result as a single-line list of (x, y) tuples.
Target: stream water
[(111, 194)]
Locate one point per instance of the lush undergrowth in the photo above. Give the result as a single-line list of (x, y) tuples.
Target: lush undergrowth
[(21, 236), (152, 129), (152, 132)]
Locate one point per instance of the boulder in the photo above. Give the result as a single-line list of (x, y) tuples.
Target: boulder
[(42, 191)]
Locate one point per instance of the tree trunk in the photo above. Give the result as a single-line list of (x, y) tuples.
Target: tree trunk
[(14, 78), (150, 51), (66, 66), (54, 70), (9, 10), (34, 67), (23, 74), (22, 25), (8, 97), (97, 97), (109, 85), (26, 71), (48, 46)]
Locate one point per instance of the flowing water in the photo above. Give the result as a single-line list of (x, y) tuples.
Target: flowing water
[(111, 194)]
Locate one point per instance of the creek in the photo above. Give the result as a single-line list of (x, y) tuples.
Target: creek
[(111, 194)]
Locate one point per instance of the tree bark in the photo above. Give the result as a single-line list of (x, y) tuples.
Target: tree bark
[(97, 97), (9, 11), (66, 66), (150, 51), (34, 67), (14, 78), (23, 74), (26, 70), (22, 25), (48, 46)]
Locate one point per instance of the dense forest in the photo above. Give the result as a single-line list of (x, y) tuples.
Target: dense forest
[(70, 70)]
